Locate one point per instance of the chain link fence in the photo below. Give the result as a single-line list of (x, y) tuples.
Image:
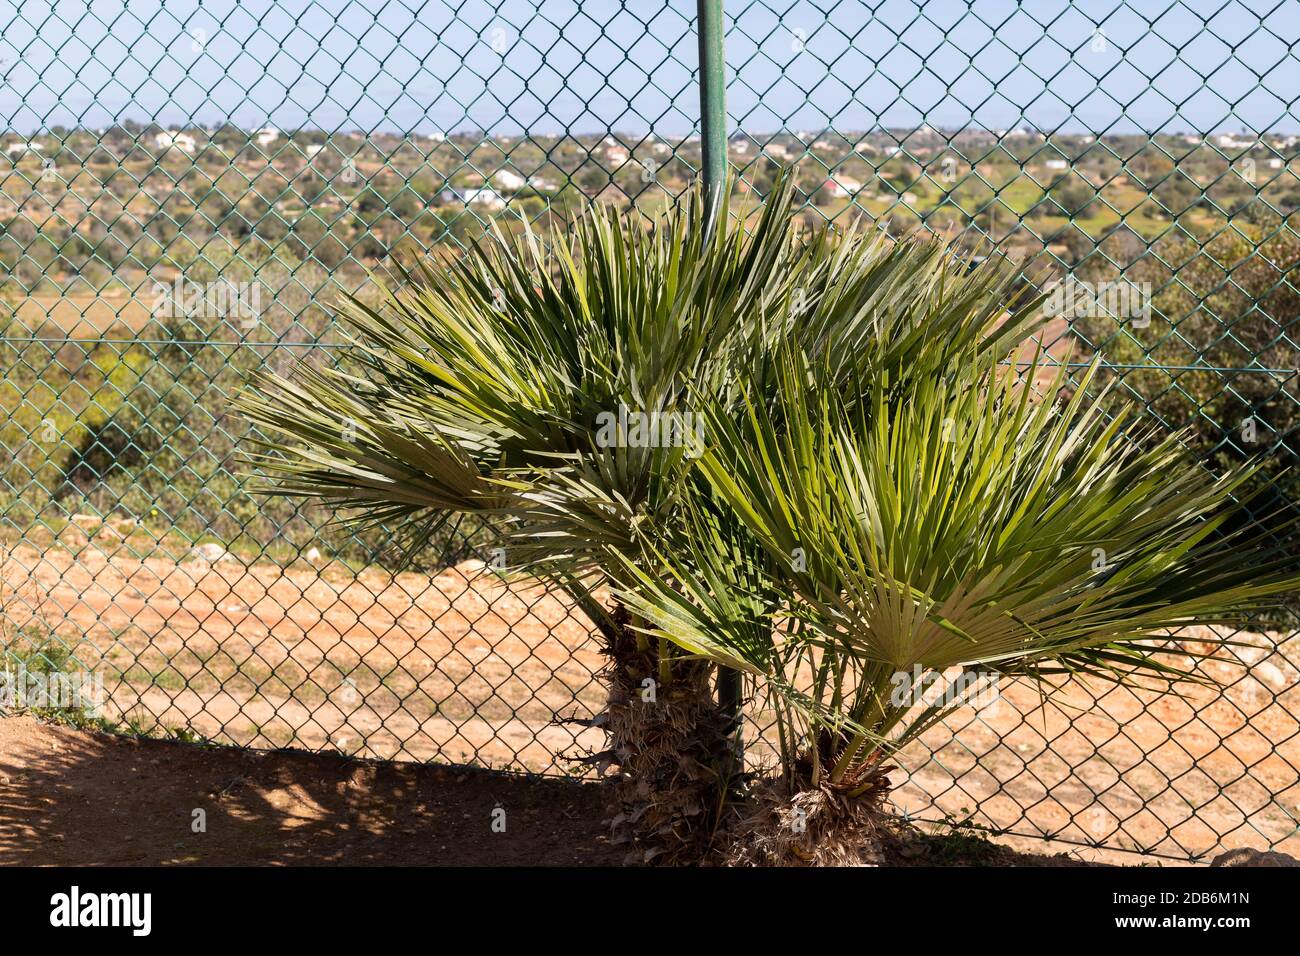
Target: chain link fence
[(185, 190)]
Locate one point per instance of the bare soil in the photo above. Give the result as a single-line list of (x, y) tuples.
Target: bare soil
[(77, 798), (86, 316), (460, 665), (465, 666), (74, 797)]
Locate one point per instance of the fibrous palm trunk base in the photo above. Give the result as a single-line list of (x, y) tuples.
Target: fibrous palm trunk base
[(675, 748), (841, 823)]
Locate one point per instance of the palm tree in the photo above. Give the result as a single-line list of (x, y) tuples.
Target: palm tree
[(512, 383), (846, 542), (800, 457)]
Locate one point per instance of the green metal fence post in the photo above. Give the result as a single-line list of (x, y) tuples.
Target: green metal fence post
[(713, 173), (713, 99)]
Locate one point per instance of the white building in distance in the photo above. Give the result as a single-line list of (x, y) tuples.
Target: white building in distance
[(174, 139), (505, 179)]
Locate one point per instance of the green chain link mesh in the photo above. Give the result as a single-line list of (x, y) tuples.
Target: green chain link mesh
[(184, 190)]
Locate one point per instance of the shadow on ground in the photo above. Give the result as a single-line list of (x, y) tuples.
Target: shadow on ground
[(74, 797)]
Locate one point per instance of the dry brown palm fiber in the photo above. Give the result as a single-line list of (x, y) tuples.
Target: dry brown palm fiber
[(674, 745), (827, 824)]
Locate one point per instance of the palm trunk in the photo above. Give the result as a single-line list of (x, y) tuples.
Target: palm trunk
[(674, 743), (816, 818)]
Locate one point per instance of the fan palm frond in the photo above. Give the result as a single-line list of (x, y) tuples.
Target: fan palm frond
[(969, 524)]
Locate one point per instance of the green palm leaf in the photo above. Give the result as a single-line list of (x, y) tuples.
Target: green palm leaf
[(964, 524)]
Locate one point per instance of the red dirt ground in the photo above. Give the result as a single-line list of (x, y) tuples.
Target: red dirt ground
[(76, 798), (463, 666), (72, 797)]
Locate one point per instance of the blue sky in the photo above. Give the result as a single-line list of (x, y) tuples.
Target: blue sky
[(548, 65)]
